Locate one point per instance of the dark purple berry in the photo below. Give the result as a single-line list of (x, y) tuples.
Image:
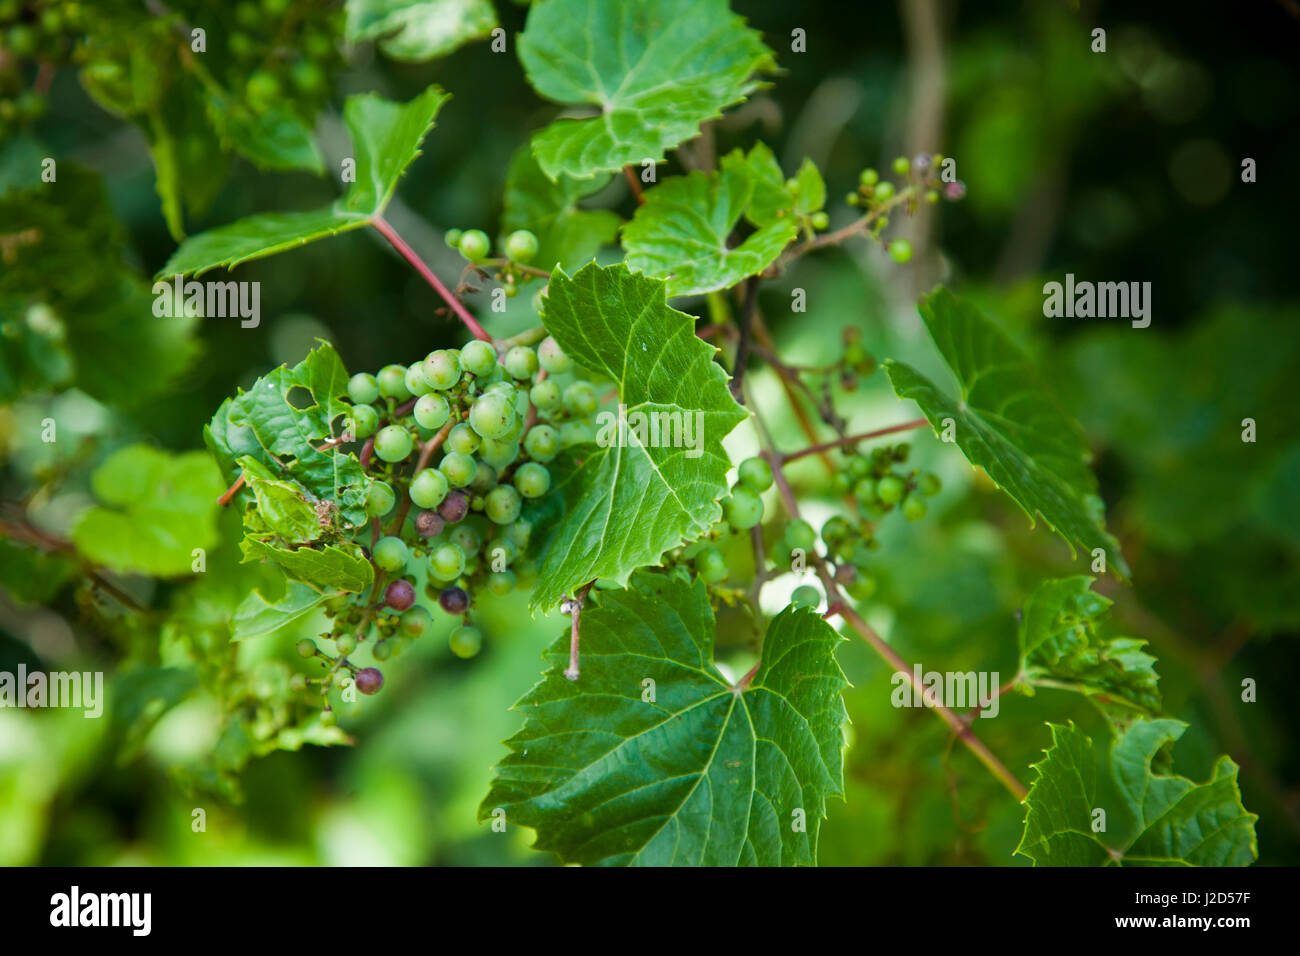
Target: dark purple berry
[(954, 191), (454, 600), (369, 680), (454, 507), (428, 524), (399, 595)]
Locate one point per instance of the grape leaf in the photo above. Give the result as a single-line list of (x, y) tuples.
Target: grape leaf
[(280, 422), (681, 232), (1009, 425), (628, 500), (157, 509), (701, 774), (566, 234), (1060, 647), (257, 616), (422, 30), (655, 70), (1175, 822), (275, 139), (343, 568), (386, 139)]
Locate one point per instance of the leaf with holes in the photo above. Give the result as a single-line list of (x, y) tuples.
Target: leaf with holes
[(697, 773), (654, 70), (1008, 424), (655, 474)]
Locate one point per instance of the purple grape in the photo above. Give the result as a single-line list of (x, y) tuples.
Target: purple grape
[(399, 595), (369, 680), (454, 507), (428, 524), (454, 600)]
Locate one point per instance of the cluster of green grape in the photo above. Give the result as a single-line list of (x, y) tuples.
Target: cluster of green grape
[(918, 177), (520, 248), (742, 509), (279, 44), (482, 429), (29, 33), (879, 485)]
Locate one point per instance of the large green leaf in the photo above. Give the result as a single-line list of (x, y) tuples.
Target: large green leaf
[(157, 509), (386, 139), (629, 500), (1060, 646), (566, 234), (275, 139), (419, 30), (339, 567), (256, 616), (705, 773), (682, 231), (1175, 822), (1008, 424), (282, 420), (654, 70)]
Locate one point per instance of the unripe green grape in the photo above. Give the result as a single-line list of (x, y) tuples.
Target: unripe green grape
[(261, 90), (474, 244), (890, 489), (865, 491), (552, 357), (276, 8), (521, 246), (392, 382), (580, 398), (379, 499), (478, 358), (820, 220), (900, 250), (521, 362), (306, 647), (532, 480), (442, 369), (318, 46), (869, 177), (415, 381), (501, 550), (835, 530), (902, 165), (428, 488), (575, 433), (520, 533), (883, 191), (800, 534), (545, 395), (381, 651), (914, 508), (459, 468), (431, 411), (328, 718), (466, 538), (502, 504), (345, 644), (864, 587), (364, 421), (756, 473), (463, 439), (307, 77), (499, 453), (930, 485), (465, 641), (485, 477), (932, 196), (501, 582), (492, 415), (447, 562), (805, 595), (514, 431), (902, 450), (298, 683), (391, 554), (363, 388), (710, 565), (542, 443), (452, 238), (744, 508), (393, 443)]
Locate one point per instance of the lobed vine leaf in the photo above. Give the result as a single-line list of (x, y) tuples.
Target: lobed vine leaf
[(630, 497), (1175, 822), (682, 232), (156, 509), (1060, 646), (256, 616), (340, 567), (421, 30), (386, 139), (700, 772), (281, 421), (654, 70), (1008, 424)]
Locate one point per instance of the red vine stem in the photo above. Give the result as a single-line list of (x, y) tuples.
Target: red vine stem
[(852, 439), (572, 672), (384, 229), (878, 644), (632, 181)]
